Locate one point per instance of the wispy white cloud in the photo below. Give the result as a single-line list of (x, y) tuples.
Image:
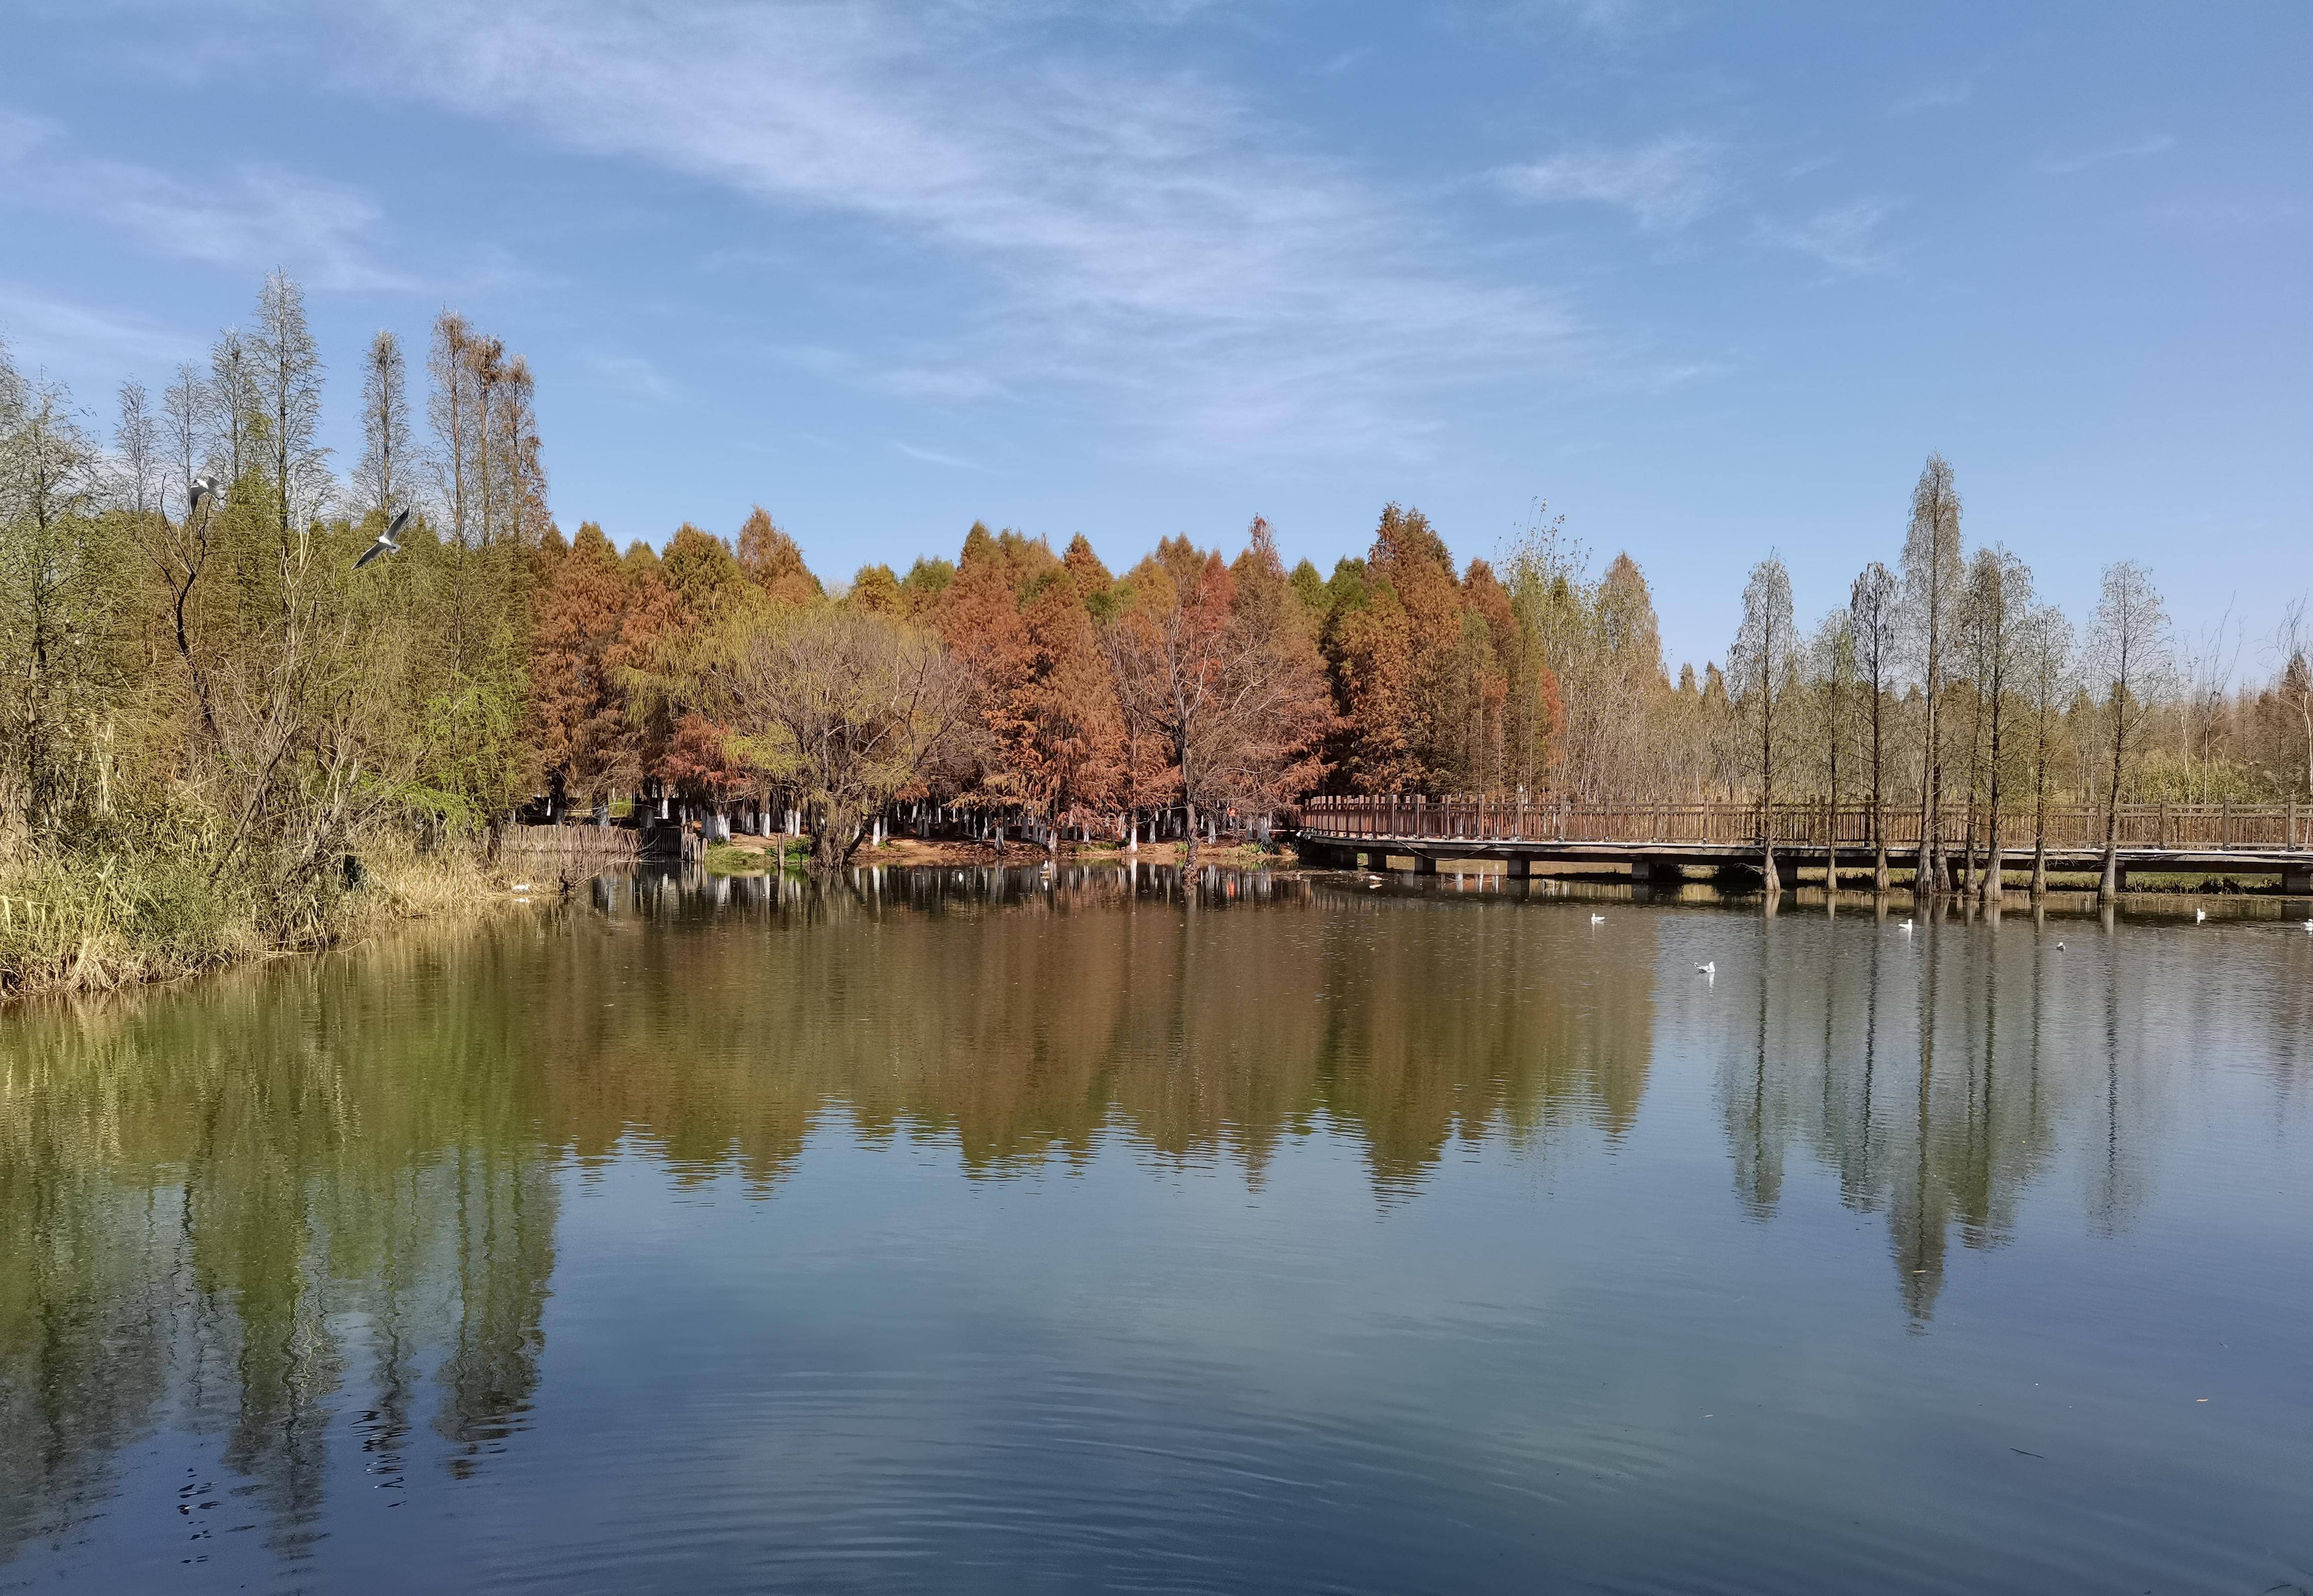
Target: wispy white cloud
[(2062, 166), (21, 135), (1934, 97), (902, 379), (1845, 237), (1608, 19), (631, 376), (934, 457), (45, 331), (2227, 214), (1335, 64), (930, 382), (255, 218), (1666, 183), (1147, 232)]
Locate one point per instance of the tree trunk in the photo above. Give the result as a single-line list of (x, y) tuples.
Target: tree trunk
[(1994, 884), (1774, 881), (837, 838)]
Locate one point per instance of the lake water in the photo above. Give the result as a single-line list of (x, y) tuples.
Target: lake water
[(944, 1231)]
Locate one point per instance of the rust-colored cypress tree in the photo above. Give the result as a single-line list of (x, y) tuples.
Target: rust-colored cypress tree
[(978, 616), (771, 561), (1236, 694), (1069, 741), (1411, 561), (577, 702)]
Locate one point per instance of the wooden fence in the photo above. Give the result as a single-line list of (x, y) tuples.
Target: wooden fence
[(590, 844), (2266, 827)]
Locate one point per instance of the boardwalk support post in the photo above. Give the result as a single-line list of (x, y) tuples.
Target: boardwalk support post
[(1520, 868), (1425, 864)]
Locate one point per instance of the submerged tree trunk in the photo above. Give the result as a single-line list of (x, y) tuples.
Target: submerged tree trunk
[(1994, 886), (2040, 841), (1928, 861)]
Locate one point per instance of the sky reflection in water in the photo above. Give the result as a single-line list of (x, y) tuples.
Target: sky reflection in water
[(980, 1233)]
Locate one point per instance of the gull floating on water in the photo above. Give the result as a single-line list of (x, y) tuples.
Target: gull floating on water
[(1711, 968), (1905, 928), (1597, 920), (2060, 947), (388, 540), (2199, 915)]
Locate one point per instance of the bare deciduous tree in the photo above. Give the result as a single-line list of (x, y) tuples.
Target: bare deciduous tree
[(2292, 642), (231, 407), (1756, 667), (381, 478), (1932, 582), (287, 376), (2128, 657), (2046, 669), (1872, 617), (848, 707), (137, 465), (1997, 606), (1833, 664), (450, 408)]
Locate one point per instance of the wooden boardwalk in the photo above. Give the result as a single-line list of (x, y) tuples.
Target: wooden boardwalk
[(1654, 840)]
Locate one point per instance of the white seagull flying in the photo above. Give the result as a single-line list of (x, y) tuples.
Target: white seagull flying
[(388, 542)]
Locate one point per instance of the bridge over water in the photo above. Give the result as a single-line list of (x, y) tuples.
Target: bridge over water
[(1659, 842)]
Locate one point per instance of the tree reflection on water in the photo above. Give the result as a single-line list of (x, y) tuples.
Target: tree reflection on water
[(285, 1195)]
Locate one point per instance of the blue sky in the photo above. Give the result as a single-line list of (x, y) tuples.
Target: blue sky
[(1707, 279)]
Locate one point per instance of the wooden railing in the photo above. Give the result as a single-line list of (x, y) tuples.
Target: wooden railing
[(2206, 827)]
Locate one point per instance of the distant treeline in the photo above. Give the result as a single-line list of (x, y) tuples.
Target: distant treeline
[(216, 685)]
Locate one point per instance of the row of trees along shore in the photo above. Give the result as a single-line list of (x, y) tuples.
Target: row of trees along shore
[(217, 732)]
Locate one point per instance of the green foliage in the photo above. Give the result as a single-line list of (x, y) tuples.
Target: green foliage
[(925, 581)]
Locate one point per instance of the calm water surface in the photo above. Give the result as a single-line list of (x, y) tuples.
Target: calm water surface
[(957, 1233)]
